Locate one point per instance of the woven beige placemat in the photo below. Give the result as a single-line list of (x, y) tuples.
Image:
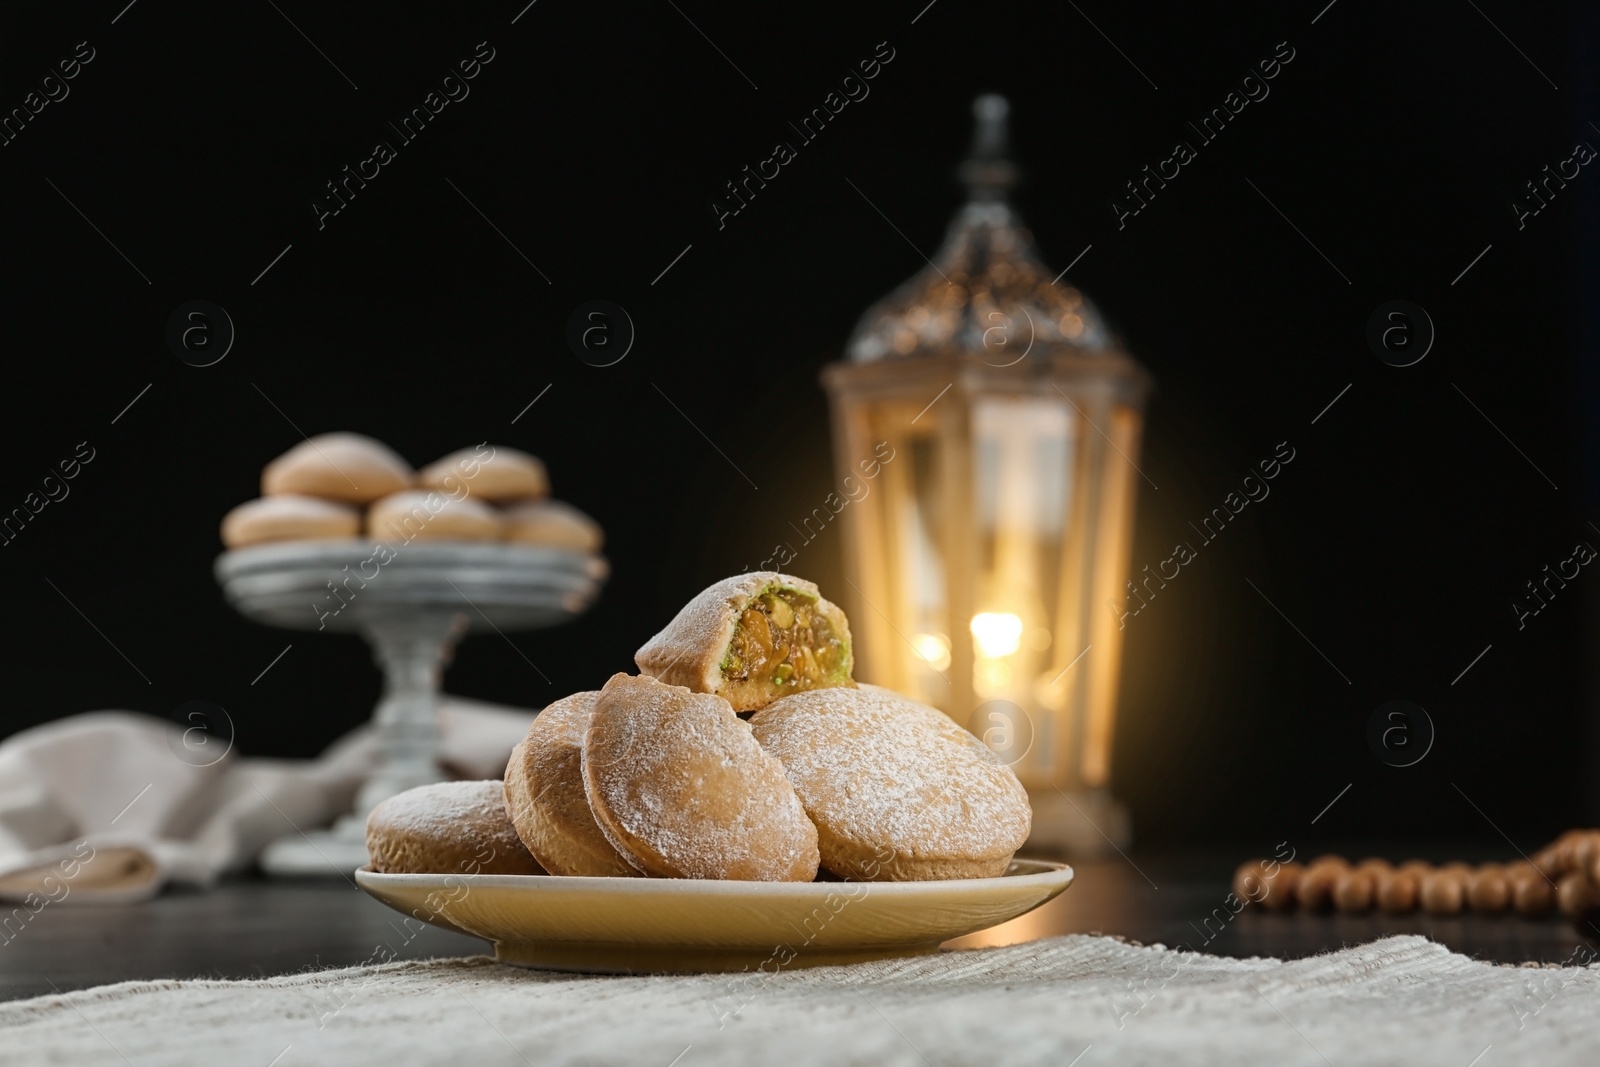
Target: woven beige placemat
[(1063, 1001)]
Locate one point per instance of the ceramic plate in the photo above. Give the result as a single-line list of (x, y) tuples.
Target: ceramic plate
[(625, 925)]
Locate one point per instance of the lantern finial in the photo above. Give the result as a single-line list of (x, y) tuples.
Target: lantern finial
[(988, 171), (985, 281)]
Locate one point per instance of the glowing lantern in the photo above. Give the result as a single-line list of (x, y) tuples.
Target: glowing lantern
[(982, 566)]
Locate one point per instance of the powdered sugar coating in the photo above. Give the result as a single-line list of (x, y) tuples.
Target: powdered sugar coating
[(544, 794), (447, 828), (897, 789), (678, 784)]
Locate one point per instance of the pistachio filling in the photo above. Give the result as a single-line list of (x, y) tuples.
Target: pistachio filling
[(782, 643)]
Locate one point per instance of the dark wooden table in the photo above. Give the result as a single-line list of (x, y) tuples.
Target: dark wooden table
[(253, 927)]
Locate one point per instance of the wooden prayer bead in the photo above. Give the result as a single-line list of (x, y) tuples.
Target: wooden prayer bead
[(1566, 850), (1585, 851), (1443, 892), (1489, 890), (1397, 892), (1353, 891), (1534, 897), (1250, 881), (1314, 891), (1547, 859), (1517, 870), (1281, 890), (1576, 895)]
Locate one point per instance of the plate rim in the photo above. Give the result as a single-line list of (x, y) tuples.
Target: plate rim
[(1053, 873)]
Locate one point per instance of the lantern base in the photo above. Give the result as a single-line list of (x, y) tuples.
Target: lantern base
[(1083, 825)]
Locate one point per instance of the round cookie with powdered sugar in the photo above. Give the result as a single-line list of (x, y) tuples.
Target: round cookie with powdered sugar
[(421, 514), (552, 523), (679, 786), (288, 518), (337, 466), (545, 796), (897, 790), (489, 472), (447, 828)]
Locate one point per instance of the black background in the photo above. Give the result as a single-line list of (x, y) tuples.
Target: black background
[(595, 140)]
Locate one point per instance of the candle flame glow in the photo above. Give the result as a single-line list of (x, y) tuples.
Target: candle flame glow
[(997, 633), (934, 648)]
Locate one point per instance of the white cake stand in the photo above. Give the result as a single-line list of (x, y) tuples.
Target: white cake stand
[(411, 609)]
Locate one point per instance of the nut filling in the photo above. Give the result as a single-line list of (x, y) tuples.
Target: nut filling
[(783, 643)]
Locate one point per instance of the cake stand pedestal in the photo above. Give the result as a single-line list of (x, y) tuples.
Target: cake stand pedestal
[(412, 605)]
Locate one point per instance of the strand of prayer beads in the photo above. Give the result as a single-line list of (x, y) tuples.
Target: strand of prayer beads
[(1564, 875)]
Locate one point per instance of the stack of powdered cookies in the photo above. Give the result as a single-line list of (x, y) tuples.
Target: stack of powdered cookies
[(744, 750), (343, 485)]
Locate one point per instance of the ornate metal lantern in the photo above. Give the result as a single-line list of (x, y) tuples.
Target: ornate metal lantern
[(983, 560)]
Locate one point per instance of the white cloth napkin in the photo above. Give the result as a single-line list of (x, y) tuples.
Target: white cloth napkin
[(1067, 1000), (114, 787)]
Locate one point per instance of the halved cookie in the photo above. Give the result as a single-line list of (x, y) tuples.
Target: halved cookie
[(678, 784), (447, 828), (897, 790), (545, 796), (751, 639), (337, 466)]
